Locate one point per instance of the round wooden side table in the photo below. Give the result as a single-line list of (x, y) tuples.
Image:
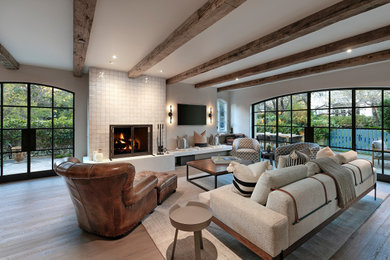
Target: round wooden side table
[(193, 217)]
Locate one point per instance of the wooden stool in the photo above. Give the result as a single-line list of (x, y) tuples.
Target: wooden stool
[(193, 217)]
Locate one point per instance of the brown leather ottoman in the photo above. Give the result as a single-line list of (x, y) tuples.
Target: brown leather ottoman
[(167, 183)]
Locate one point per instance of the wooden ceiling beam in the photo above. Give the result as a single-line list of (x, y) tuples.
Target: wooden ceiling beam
[(7, 60), (309, 24), (364, 39), (341, 64), (203, 18), (83, 13)]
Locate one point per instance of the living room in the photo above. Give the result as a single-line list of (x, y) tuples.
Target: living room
[(159, 93)]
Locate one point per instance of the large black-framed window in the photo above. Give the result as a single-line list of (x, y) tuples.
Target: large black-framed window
[(37, 128), (343, 119)]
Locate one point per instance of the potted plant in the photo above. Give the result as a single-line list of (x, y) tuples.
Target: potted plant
[(268, 148)]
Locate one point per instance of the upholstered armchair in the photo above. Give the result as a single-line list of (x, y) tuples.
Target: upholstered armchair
[(108, 199), (377, 151), (310, 149), (247, 149)]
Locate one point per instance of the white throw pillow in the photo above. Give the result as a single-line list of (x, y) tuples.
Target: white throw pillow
[(276, 179), (282, 161), (245, 177), (325, 152)]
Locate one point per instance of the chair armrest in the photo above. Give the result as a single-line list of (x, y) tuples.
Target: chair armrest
[(262, 226), (140, 189)]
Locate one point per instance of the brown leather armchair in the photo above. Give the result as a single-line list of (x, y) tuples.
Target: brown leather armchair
[(108, 200)]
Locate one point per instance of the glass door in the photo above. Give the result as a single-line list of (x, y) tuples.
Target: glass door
[(14, 120), (37, 128)]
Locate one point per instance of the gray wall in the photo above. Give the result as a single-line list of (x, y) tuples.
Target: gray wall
[(374, 75), (62, 79), (181, 93)]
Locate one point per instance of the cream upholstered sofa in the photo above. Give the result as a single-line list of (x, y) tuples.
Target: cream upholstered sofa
[(275, 229)]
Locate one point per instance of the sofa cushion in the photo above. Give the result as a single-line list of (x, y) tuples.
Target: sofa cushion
[(312, 168), (296, 158), (245, 177), (276, 179), (325, 152), (346, 157)]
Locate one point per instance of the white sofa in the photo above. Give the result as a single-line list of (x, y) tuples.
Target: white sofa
[(274, 230)]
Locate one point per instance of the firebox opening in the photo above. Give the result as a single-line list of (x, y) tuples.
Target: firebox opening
[(130, 140)]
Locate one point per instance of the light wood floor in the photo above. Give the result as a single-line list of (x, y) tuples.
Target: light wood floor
[(37, 221)]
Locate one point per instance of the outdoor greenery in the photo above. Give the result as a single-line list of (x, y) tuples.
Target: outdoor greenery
[(50, 108), (327, 107)]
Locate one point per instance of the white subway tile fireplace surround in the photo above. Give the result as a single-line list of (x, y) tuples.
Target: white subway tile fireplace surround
[(115, 99)]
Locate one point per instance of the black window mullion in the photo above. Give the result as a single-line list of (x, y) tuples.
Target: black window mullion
[(28, 126), (52, 128), (354, 120), (383, 132)]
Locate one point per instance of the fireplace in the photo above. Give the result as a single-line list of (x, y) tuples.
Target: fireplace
[(130, 140)]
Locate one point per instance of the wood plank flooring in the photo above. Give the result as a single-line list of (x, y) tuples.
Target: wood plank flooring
[(37, 221)]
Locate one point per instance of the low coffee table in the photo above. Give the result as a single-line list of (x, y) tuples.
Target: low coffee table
[(193, 217), (209, 167)]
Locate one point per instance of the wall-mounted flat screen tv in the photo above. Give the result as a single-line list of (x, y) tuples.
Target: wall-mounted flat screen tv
[(191, 114)]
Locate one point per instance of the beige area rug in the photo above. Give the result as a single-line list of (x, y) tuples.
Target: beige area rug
[(220, 245)]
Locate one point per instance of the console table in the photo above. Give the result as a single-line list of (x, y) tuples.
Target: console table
[(182, 156)]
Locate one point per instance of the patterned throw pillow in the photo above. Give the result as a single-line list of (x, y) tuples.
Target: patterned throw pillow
[(245, 177), (296, 158), (182, 142)]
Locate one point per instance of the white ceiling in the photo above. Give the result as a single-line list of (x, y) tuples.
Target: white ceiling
[(39, 33)]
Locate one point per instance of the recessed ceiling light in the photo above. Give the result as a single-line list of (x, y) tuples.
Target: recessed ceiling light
[(111, 62), (236, 78), (349, 50), (161, 71), (114, 57)]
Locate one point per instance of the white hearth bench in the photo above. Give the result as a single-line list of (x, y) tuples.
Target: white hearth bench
[(167, 162)]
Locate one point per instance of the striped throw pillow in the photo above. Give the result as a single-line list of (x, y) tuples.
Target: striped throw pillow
[(245, 177), (296, 158)]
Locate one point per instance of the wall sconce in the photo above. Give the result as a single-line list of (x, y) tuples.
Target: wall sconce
[(210, 115), (170, 114)]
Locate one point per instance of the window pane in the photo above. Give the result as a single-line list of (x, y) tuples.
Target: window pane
[(368, 117), (341, 118), (63, 138), (270, 136), (270, 105), (319, 118), (14, 163), (15, 117), (298, 135), (259, 130), (63, 118), (12, 140), (386, 94), (375, 158), (15, 94), (321, 136), (41, 117), (299, 101), (284, 118), (259, 107), (368, 139), (270, 118), (41, 96), (63, 98), (299, 118), (58, 154), (368, 98), (341, 138), (284, 135), (386, 116), (284, 103), (43, 139), (41, 161), (386, 162), (260, 118), (341, 98), (320, 99)]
